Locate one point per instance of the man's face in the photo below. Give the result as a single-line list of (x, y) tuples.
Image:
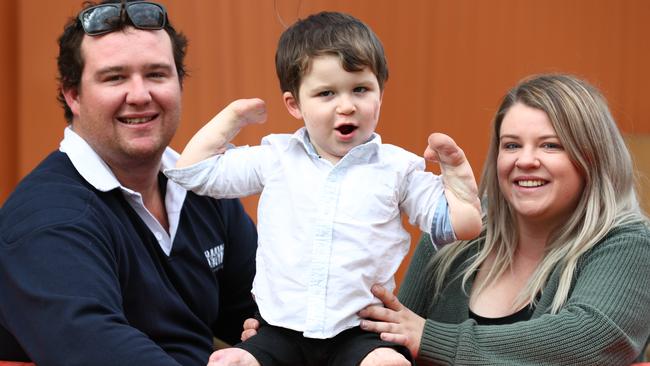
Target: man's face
[(128, 104)]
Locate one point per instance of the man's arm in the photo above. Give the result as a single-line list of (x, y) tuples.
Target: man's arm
[(236, 279), (61, 296)]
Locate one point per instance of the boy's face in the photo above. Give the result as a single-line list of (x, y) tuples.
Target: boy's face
[(340, 108)]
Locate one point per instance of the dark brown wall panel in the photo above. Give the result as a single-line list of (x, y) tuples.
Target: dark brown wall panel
[(8, 98)]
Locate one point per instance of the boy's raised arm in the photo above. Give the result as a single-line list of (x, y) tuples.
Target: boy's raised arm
[(460, 186), (213, 138)]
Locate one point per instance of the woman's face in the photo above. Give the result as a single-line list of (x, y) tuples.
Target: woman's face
[(535, 174)]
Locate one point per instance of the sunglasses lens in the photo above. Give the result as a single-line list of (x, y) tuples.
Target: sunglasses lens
[(146, 15), (104, 18), (99, 19)]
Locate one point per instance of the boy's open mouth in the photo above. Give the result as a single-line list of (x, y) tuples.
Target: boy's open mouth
[(346, 129)]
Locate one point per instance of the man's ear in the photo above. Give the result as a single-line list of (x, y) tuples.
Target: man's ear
[(71, 96), (292, 105)]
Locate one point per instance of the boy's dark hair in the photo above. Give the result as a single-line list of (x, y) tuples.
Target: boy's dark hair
[(71, 64), (328, 33)]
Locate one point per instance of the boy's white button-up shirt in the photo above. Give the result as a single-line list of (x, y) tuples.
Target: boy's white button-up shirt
[(327, 233)]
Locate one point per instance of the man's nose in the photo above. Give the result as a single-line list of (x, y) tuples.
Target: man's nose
[(138, 91)]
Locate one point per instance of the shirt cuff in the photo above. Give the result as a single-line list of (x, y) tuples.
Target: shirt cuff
[(192, 176), (441, 230)]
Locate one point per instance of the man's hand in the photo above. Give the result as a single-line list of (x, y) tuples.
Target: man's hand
[(250, 328)]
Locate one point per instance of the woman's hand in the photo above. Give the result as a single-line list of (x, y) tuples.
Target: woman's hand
[(394, 322), (250, 328)]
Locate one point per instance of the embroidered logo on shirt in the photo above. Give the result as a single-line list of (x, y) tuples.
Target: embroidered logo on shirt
[(215, 257)]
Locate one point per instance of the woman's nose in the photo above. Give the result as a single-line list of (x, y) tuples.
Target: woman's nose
[(528, 159)]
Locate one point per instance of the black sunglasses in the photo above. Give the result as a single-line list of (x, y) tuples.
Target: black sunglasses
[(105, 18)]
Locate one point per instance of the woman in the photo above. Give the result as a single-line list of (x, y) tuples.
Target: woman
[(561, 272)]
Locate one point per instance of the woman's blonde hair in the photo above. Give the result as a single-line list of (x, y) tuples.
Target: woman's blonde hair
[(585, 127)]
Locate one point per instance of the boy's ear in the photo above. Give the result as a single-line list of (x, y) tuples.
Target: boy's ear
[(292, 105), (71, 96)]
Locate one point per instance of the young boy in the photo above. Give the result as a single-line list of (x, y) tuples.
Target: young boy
[(331, 194)]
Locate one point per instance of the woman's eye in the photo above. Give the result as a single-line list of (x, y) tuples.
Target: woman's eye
[(552, 146), (509, 145)]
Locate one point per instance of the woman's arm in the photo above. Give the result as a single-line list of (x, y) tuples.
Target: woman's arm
[(604, 321)]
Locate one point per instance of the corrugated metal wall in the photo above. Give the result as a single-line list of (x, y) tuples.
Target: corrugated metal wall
[(450, 62)]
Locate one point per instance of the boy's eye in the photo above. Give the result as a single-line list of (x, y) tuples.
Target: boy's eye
[(360, 89), (325, 93)]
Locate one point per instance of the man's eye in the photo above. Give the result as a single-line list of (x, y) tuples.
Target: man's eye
[(115, 77)]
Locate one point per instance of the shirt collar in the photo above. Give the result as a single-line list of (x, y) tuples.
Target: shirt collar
[(93, 168), (87, 162), (98, 174), (301, 138), (359, 154)]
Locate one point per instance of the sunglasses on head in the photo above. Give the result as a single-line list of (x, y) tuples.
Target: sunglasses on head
[(105, 18)]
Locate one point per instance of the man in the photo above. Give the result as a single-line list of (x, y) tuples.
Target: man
[(102, 260)]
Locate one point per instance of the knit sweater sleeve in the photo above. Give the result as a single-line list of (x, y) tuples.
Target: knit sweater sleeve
[(603, 322)]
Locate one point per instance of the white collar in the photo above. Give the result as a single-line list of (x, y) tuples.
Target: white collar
[(363, 152), (96, 172)]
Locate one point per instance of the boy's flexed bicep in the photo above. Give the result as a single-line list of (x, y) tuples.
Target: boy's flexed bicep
[(213, 138), (459, 185)]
